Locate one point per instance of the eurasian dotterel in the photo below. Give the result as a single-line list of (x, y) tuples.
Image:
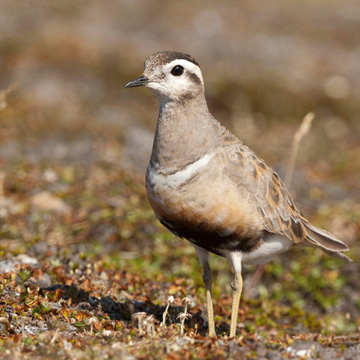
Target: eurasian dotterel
[(206, 186)]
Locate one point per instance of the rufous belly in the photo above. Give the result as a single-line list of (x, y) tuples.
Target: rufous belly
[(209, 211)]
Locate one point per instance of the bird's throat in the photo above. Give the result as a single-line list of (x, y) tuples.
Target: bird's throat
[(184, 133)]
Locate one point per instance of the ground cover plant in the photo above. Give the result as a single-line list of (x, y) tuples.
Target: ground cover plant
[(74, 298)]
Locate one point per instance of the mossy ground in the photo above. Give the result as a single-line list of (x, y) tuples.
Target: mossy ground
[(106, 257)]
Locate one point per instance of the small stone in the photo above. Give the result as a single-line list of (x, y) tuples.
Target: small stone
[(47, 201)]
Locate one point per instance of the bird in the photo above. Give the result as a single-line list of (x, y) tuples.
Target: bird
[(206, 186)]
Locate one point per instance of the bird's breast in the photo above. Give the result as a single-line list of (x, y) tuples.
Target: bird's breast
[(203, 205)]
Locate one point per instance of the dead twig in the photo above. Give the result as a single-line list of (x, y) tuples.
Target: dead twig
[(4, 94), (302, 131)]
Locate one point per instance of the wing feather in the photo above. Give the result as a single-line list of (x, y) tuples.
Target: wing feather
[(265, 188), (273, 201)]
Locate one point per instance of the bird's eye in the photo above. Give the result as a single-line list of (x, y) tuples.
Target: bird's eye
[(177, 70)]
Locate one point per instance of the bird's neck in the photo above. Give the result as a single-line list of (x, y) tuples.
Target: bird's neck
[(185, 132)]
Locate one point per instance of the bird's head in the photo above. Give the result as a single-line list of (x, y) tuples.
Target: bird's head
[(171, 76)]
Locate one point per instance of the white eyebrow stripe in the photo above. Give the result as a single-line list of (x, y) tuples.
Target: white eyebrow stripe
[(187, 65)]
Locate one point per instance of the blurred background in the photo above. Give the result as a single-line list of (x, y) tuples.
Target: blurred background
[(74, 143)]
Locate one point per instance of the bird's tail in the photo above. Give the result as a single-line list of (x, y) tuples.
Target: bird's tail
[(326, 241)]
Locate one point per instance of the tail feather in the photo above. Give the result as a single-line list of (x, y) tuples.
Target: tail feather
[(326, 241), (338, 255)]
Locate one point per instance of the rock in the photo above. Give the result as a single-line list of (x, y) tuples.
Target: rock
[(47, 201), (25, 259)]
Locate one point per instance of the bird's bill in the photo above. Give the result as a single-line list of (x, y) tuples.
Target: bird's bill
[(140, 81)]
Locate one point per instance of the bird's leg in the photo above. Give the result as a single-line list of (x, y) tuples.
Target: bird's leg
[(236, 285), (207, 277), (235, 258)]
